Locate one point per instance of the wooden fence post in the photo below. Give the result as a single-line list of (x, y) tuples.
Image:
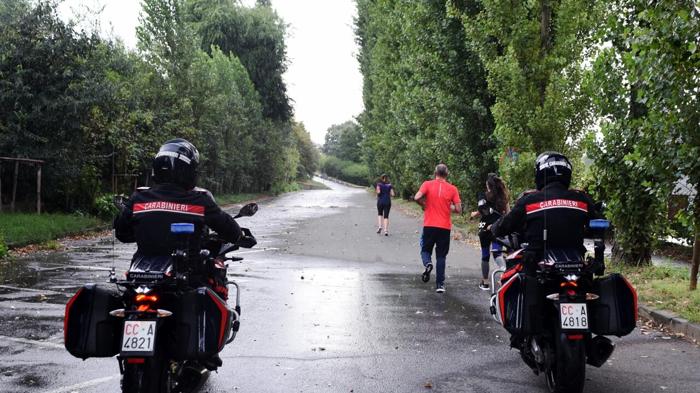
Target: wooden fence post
[(38, 189), (14, 187)]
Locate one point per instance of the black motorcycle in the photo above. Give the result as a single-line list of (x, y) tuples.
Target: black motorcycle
[(168, 319), (559, 306)]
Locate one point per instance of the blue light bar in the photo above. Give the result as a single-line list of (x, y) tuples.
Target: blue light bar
[(599, 224), (182, 228)]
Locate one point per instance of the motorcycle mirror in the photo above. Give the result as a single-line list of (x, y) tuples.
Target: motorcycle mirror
[(248, 210), (119, 201)]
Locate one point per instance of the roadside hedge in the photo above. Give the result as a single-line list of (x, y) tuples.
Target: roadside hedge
[(349, 171)]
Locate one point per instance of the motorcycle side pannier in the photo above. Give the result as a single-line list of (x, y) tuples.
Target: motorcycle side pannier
[(88, 329), (203, 324), (615, 311), (519, 305)]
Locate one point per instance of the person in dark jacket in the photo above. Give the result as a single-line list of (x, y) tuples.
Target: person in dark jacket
[(553, 216), (385, 191), (147, 216), (491, 206)]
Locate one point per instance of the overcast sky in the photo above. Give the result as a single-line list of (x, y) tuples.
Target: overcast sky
[(323, 77)]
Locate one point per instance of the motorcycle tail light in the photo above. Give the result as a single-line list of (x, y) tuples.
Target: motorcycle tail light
[(136, 360), (575, 336), (146, 298)]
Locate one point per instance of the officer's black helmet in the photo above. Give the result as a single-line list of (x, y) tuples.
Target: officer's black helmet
[(551, 166), (176, 163)]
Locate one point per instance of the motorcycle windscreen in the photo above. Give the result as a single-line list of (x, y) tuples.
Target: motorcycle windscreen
[(615, 311), (519, 305), (88, 329), (203, 324)]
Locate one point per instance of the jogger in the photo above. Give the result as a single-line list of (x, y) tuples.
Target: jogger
[(438, 198)]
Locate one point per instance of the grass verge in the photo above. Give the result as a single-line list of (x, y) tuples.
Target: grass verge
[(663, 287), (231, 199), (310, 184), (20, 229)]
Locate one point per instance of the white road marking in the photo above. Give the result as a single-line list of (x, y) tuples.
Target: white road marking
[(46, 344), (82, 385), (252, 251)]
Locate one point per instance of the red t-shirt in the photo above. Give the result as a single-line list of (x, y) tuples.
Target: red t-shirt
[(439, 196)]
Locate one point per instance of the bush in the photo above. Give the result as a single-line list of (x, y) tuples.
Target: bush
[(104, 207), (349, 171), (3, 246)]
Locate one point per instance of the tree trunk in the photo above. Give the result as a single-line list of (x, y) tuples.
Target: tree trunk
[(545, 43), (696, 245)]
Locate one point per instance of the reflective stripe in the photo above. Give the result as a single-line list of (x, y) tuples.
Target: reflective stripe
[(174, 155), (556, 204), (171, 207)]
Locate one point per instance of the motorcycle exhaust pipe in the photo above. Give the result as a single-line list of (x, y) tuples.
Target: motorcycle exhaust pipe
[(599, 350)]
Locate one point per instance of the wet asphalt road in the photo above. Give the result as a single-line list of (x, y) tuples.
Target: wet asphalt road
[(327, 306)]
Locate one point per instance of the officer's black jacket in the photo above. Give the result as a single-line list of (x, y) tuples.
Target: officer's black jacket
[(564, 214), (147, 217)]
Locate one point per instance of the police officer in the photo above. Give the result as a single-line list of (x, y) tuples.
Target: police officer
[(554, 216), (147, 216)]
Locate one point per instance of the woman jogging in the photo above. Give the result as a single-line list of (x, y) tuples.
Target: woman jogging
[(385, 191), (491, 206)]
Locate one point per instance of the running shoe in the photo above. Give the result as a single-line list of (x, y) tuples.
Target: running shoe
[(440, 288), (379, 230), (483, 286), (426, 273)]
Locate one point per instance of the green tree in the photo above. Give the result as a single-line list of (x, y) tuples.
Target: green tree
[(344, 141), (649, 80), (256, 36), (425, 95), (308, 153), (533, 52)]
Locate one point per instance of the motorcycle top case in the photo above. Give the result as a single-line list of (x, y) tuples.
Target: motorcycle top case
[(519, 305), (203, 324), (88, 329), (615, 311)]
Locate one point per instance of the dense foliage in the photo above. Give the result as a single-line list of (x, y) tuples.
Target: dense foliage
[(480, 84), (96, 112), (342, 156), (646, 84), (425, 95)]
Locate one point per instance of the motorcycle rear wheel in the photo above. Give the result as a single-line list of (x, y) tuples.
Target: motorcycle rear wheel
[(152, 376), (567, 374)]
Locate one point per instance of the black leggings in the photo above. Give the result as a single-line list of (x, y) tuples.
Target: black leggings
[(383, 209)]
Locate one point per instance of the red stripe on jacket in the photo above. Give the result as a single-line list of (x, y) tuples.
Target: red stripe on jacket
[(163, 206), (556, 204)]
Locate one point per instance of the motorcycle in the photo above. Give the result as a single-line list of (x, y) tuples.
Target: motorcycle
[(560, 308), (168, 319)]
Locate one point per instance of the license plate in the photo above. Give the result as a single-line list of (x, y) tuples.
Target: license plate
[(573, 316), (139, 338)]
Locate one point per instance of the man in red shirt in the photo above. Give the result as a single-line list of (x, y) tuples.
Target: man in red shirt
[(439, 199)]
